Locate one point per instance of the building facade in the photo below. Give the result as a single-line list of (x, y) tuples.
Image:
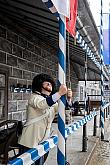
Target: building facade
[(22, 56)]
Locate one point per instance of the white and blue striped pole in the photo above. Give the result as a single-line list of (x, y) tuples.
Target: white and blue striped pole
[(62, 101), (109, 62), (102, 78), (61, 78), (84, 142)]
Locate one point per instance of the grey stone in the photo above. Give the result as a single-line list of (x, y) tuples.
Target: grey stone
[(29, 82), (10, 116), (17, 50), (24, 116), (2, 57), (22, 81), (38, 68), (22, 104), (37, 50), (11, 60), (2, 32), (34, 74), (5, 45), (22, 64), (27, 55), (30, 46), (9, 95), (30, 66), (12, 106), (17, 73), (22, 42), (10, 71), (41, 61), (17, 116), (26, 96), (35, 58), (44, 53), (12, 81), (26, 75), (12, 37), (17, 96)]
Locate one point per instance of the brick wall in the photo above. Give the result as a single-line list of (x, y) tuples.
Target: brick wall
[(24, 60)]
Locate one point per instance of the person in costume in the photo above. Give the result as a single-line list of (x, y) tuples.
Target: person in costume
[(41, 110)]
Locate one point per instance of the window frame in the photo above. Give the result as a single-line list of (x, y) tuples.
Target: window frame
[(5, 71)]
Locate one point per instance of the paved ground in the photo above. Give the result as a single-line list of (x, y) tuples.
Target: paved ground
[(101, 155), (75, 156)]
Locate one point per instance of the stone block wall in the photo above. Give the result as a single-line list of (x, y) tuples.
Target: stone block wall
[(25, 58)]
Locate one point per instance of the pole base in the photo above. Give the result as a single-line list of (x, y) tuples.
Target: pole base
[(85, 150), (67, 163), (104, 140)]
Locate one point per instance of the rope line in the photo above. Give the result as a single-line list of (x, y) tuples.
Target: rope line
[(75, 126), (34, 154)]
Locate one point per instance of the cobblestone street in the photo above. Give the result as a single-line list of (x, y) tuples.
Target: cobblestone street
[(102, 154)]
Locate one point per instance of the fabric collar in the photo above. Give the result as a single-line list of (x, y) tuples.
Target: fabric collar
[(42, 94)]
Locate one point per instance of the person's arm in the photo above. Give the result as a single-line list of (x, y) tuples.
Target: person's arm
[(69, 102), (43, 103)]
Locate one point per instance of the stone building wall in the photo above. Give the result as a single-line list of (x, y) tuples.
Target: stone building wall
[(25, 58)]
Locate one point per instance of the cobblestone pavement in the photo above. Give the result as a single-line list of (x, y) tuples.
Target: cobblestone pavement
[(102, 154)]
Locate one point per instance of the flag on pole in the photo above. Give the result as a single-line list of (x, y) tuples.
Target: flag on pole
[(106, 38), (68, 8), (71, 22), (58, 7), (62, 6)]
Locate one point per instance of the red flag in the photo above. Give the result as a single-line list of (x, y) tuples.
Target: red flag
[(71, 23)]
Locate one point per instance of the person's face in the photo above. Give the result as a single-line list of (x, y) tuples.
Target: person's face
[(47, 86)]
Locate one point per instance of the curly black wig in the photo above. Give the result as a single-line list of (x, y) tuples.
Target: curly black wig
[(38, 81)]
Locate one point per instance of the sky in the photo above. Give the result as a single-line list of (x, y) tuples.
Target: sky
[(95, 6)]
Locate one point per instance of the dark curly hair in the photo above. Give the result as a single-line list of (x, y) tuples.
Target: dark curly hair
[(38, 81)]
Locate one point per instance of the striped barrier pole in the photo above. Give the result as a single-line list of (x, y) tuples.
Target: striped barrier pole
[(84, 140), (62, 101), (102, 77), (34, 154), (86, 48), (75, 126), (61, 78)]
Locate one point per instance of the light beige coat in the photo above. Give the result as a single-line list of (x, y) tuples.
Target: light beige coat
[(38, 131)]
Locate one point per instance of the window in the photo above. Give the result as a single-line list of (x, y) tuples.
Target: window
[(3, 94)]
